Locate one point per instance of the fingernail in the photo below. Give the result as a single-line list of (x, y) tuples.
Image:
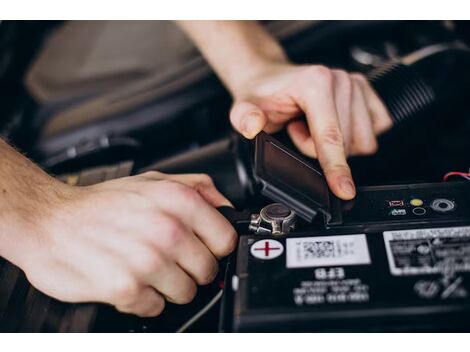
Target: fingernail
[(347, 186), (250, 125)]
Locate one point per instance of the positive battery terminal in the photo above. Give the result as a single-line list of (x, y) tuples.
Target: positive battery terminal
[(274, 219)]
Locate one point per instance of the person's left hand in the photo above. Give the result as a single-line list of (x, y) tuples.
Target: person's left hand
[(343, 115)]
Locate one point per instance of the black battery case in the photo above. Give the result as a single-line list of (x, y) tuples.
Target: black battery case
[(396, 258)]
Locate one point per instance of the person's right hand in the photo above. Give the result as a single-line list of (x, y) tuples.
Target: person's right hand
[(132, 242), (344, 115)]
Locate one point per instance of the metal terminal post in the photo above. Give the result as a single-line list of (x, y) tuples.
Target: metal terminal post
[(274, 219)]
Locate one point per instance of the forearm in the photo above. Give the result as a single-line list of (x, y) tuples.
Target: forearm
[(237, 50), (25, 194)]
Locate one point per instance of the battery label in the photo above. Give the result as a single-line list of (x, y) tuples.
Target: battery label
[(428, 251), (331, 292), (305, 252)]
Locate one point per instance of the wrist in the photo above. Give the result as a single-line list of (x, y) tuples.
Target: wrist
[(240, 77), (236, 50), (26, 220)]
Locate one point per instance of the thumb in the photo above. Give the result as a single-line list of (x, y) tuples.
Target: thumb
[(248, 119)]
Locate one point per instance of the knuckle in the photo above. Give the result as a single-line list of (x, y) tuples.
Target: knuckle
[(164, 188), (173, 187), (332, 135), (171, 232), (188, 293), (335, 167), (123, 309), (344, 80), (321, 73), (179, 193), (157, 309), (206, 179), (183, 192), (227, 245), (125, 290), (155, 223), (150, 262), (151, 186), (341, 74), (205, 182), (209, 273), (359, 77), (151, 174)]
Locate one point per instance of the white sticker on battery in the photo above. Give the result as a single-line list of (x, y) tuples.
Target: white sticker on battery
[(303, 252), (428, 251)]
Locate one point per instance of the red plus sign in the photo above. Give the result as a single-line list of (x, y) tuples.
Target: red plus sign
[(266, 249)]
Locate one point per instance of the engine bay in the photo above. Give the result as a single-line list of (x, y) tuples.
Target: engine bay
[(394, 259)]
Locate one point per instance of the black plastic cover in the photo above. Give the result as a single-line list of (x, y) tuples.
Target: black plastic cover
[(289, 179)]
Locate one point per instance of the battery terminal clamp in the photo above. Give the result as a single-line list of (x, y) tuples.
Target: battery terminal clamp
[(274, 219)]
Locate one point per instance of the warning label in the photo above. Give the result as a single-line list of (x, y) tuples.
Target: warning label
[(446, 287), (305, 252), (428, 251)]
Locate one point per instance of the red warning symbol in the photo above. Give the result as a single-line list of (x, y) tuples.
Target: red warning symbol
[(267, 249)]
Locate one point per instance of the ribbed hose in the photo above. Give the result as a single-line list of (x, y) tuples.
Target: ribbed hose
[(405, 93)]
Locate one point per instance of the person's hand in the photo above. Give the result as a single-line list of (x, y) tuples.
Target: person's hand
[(132, 242), (343, 115)]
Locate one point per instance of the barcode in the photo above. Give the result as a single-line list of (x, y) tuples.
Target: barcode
[(319, 249), (303, 252)]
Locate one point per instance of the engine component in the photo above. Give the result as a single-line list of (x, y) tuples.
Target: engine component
[(227, 161), (430, 78), (396, 259), (443, 205)]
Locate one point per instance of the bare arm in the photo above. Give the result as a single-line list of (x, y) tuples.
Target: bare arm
[(132, 242), (344, 115), (237, 50), (26, 197)]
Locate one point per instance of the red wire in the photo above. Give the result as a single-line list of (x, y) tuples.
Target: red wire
[(455, 173)]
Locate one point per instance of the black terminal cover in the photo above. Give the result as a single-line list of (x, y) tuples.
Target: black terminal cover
[(289, 179)]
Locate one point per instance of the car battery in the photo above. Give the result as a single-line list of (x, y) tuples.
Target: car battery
[(396, 258)]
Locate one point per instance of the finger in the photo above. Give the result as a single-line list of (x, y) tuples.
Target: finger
[(185, 204), (186, 249), (316, 99), (206, 188), (149, 303), (152, 266), (248, 119), (300, 136), (381, 119), (364, 141), (343, 97), (172, 282), (202, 183), (276, 112), (273, 127), (199, 263)]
